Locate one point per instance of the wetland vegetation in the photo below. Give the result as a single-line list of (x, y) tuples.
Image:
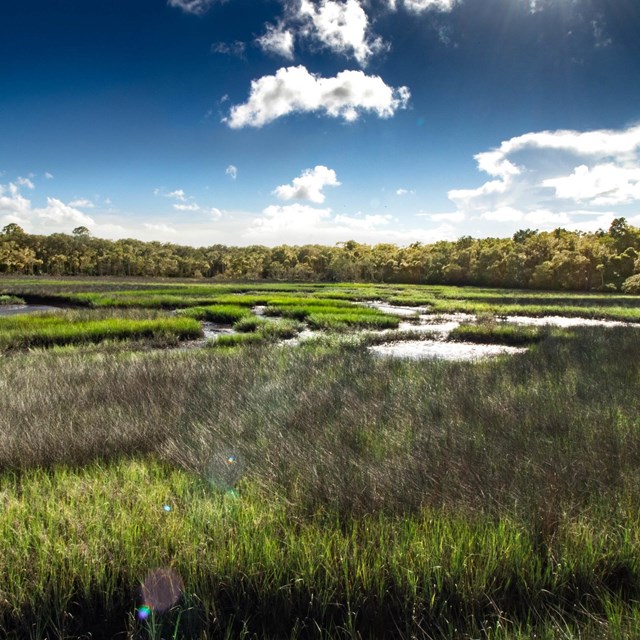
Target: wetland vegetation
[(316, 490)]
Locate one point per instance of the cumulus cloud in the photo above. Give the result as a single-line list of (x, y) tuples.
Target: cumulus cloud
[(277, 40), (197, 7), (548, 178), (289, 218), (12, 203), (309, 185), (341, 26), (295, 90), (58, 212), (14, 207), (602, 184), (232, 171), (300, 223)]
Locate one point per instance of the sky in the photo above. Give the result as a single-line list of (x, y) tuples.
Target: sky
[(272, 122)]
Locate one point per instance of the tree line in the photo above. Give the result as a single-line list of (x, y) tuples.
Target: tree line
[(559, 259)]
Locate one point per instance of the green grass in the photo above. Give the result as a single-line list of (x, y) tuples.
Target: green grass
[(244, 568), (334, 317), (493, 333), (49, 329), (7, 300), (365, 497), (225, 314), (624, 314), (237, 340)]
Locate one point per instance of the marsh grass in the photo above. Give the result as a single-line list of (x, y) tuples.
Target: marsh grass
[(225, 314), (625, 314), (254, 330), (338, 316), (252, 563), (499, 333), (372, 498), (63, 328), (7, 300)]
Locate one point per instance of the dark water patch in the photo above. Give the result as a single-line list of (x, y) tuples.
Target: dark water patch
[(20, 309)]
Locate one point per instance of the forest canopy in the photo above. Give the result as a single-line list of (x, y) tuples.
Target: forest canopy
[(559, 259)]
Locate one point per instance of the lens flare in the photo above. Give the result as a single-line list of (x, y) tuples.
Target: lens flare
[(160, 590), (144, 612)]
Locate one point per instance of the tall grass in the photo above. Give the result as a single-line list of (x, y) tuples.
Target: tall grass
[(338, 426), (7, 300), (78, 545)]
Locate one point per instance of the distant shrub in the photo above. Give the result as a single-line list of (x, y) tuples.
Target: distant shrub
[(632, 285)]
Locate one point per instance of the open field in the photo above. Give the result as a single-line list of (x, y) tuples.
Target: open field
[(316, 491)]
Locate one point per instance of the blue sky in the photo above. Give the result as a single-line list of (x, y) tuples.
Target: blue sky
[(318, 121)]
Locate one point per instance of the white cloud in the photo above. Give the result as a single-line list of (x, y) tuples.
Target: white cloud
[(178, 194), (405, 192), (13, 203), (420, 6), (295, 90), (294, 219), (58, 212), (548, 178), (545, 219), (232, 171), (56, 215), (341, 26), (197, 7), (25, 182), (82, 202), (48, 176), (188, 203), (277, 40), (309, 185), (603, 184), (301, 223)]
